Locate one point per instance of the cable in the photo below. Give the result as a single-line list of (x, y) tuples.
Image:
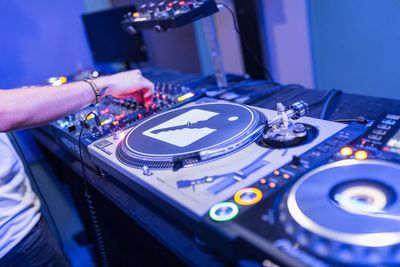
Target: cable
[(328, 101), (321, 99), (244, 41), (29, 171), (89, 200)]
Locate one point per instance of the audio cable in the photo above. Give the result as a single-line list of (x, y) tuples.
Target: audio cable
[(88, 197), (245, 43), (327, 99)]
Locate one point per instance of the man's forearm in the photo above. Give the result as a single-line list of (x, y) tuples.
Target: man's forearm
[(28, 107)]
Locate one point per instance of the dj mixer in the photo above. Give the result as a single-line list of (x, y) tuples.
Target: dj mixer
[(172, 89)]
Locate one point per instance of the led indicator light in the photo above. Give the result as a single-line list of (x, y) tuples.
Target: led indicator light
[(361, 155), (346, 151), (248, 196), (185, 97), (224, 211)]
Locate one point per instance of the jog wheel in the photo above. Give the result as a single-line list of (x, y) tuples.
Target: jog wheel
[(347, 212)]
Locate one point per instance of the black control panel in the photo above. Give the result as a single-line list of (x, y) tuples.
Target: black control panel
[(166, 15), (314, 210), (384, 134)]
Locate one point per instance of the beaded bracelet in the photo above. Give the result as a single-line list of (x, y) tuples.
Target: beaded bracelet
[(95, 89)]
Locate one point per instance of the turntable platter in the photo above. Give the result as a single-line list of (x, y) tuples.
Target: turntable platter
[(348, 210), (190, 135)]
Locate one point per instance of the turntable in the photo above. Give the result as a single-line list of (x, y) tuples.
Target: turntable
[(197, 155), (190, 135)]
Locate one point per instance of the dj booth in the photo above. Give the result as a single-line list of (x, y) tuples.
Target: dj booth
[(227, 170), (172, 211)]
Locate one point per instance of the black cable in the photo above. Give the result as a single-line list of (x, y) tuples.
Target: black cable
[(244, 41), (32, 177), (319, 101), (89, 200), (328, 102)]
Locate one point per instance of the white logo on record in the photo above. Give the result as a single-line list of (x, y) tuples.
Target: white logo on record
[(184, 136)]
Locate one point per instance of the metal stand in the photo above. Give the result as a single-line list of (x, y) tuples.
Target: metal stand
[(210, 32)]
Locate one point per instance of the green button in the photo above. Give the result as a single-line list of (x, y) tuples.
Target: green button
[(224, 211)]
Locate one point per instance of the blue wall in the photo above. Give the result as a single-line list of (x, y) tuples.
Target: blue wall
[(39, 39), (356, 45)]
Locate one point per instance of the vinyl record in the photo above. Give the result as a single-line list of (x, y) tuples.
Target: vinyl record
[(195, 134)]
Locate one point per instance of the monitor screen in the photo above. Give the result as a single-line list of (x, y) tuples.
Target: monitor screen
[(108, 41)]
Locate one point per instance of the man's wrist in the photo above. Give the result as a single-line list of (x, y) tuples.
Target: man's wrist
[(95, 89), (103, 84)]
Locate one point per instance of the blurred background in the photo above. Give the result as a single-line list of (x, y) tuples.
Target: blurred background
[(350, 45)]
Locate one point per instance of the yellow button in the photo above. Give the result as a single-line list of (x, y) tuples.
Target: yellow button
[(346, 151), (248, 196), (136, 14), (361, 155)]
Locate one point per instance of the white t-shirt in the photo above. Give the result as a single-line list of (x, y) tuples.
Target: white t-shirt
[(19, 206)]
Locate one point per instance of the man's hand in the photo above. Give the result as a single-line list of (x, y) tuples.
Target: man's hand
[(130, 83)]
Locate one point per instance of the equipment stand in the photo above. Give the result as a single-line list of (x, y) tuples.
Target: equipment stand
[(210, 32)]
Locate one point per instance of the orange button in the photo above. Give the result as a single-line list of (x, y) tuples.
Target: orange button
[(346, 151), (361, 155), (248, 196)]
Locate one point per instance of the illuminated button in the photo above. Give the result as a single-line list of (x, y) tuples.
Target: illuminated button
[(272, 184), (388, 122), (63, 79), (185, 97), (380, 132), (286, 176), (361, 155), (346, 151), (263, 181), (248, 196), (89, 117), (384, 127), (393, 117), (276, 172), (223, 211), (375, 137), (136, 14)]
